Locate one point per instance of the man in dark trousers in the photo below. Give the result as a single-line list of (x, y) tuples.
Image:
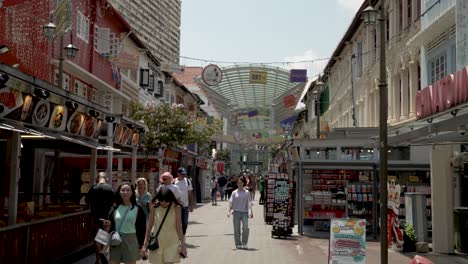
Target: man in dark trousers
[(222, 181), (231, 186), (100, 199)]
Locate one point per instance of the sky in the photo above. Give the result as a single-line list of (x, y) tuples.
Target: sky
[(264, 31)]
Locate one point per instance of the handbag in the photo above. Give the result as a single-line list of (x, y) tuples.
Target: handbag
[(115, 238), (153, 243)]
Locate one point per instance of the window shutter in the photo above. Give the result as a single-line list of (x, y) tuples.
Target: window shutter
[(151, 84), (104, 41), (96, 38), (79, 22), (144, 77), (160, 88)]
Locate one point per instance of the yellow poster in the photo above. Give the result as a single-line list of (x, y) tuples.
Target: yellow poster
[(259, 77)]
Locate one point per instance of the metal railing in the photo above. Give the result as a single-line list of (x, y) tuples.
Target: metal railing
[(47, 240)]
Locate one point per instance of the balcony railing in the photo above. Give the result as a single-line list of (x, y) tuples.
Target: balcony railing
[(435, 9)]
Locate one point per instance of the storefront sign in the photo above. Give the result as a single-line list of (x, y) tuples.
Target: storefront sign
[(172, 154), (347, 241), (118, 133), (10, 100), (58, 119), (89, 126), (442, 95), (258, 77), (212, 75), (220, 167)]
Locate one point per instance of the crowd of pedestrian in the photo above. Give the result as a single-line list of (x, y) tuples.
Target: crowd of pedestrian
[(133, 221), (142, 226)]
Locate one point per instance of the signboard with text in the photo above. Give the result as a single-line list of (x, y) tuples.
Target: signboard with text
[(258, 77), (298, 75), (347, 241)]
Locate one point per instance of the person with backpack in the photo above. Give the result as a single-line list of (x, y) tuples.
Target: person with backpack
[(186, 195)]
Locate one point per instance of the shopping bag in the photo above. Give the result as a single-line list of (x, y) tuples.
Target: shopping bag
[(218, 194), (102, 237)]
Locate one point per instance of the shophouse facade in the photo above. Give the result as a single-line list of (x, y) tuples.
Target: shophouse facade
[(82, 125), (427, 75), (444, 74), (349, 116)]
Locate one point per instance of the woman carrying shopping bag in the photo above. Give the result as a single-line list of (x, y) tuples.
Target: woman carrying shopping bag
[(128, 220), (165, 223)]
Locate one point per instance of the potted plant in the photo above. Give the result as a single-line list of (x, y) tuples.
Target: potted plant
[(409, 238)]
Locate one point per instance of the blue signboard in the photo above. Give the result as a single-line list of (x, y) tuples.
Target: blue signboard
[(298, 75)]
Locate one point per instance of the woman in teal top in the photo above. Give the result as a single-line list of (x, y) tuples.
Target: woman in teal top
[(143, 197), (133, 228)]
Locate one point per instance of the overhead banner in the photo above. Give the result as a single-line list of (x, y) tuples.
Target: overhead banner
[(258, 77), (289, 101), (347, 241), (298, 75)]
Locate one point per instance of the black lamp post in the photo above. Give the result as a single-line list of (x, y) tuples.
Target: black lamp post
[(70, 50), (370, 16)]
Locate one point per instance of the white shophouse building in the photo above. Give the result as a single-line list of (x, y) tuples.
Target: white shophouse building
[(426, 64)]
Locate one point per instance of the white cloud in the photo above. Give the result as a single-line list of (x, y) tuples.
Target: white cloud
[(310, 60), (351, 5)]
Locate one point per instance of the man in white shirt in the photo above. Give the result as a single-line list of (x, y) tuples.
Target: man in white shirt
[(186, 190), (168, 180)]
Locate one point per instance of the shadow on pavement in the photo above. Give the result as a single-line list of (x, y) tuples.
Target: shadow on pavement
[(194, 223), (197, 236), (191, 246)]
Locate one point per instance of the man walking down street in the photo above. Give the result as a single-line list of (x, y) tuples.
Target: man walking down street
[(186, 190), (222, 182), (100, 199), (231, 186)]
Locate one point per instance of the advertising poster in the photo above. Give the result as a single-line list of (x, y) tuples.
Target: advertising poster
[(347, 241)]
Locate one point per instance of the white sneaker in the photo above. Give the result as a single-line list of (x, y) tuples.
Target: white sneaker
[(244, 247)]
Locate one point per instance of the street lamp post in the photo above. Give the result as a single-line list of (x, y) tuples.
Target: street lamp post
[(70, 50), (370, 17)]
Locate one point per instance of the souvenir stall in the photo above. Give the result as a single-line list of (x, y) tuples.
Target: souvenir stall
[(349, 189)]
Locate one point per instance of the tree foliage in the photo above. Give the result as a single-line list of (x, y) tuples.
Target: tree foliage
[(170, 125), (224, 155)]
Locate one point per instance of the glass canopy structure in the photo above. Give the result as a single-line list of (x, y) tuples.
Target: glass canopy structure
[(255, 99)]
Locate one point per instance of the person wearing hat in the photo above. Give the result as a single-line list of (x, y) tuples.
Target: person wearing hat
[(186, 189)]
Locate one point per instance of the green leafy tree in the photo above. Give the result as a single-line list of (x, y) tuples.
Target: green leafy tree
[(170, 125), (223, 155)]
